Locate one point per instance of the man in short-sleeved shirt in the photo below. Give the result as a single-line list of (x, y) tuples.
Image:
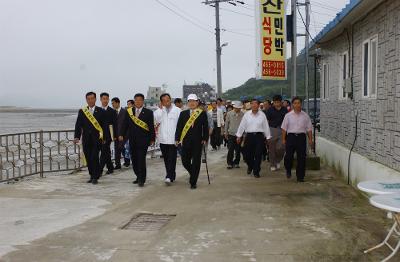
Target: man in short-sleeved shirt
[(296, 126)]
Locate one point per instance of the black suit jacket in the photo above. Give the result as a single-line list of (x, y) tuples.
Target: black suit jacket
[(197, 133), (85, 128), (111, 119), (137, 135), (120, 120)]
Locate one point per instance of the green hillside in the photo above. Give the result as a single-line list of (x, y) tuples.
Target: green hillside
[(268, 88)]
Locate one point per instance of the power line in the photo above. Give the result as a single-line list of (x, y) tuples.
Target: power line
[(187, 13), (184, 17), (330, 15), (301, 16), (325, 6), (245, 7), (313, 17), (237, 33), (302, 19), (236, 12)]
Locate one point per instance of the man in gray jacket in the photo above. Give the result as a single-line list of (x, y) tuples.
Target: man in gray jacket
[(232, 123)]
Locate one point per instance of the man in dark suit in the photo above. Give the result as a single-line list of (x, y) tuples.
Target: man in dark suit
[(118, 145), (191, 140), (109, 134), (92, 131), (138, 127)]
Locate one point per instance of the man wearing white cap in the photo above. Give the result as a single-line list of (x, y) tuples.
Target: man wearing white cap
[(191, 134), (232, 122)]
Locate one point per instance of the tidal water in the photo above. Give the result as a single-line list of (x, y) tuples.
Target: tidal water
[(20, 121)]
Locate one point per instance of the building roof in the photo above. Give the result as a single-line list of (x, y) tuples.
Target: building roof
[(350, 14)]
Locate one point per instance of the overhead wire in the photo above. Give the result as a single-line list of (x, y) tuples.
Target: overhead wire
[(184, 17)]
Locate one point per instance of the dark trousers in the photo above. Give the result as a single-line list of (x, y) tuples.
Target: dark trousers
[(91, 149), (233, 151), (138, 156), (191, 160), (169, 153), (254, 144), (298, 144), (215, 139), (118, 149), (105, 157)]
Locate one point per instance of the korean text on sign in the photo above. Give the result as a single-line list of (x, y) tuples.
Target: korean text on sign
[(273, 39)]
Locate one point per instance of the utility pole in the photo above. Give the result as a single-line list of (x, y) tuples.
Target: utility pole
[(294, 49), (219, 49), (215, 4), (307, 49), (306, 35)]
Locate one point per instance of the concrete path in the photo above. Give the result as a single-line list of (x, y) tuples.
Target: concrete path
[(236, 218)]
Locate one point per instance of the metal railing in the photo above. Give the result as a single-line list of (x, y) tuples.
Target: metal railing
[(31, 153)]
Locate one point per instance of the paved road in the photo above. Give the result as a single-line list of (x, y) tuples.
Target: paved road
[(236, 218)]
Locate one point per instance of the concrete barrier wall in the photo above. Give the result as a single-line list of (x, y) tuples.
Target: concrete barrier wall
[(361, 168)]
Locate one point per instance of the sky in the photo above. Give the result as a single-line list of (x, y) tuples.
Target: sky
[(53, 51)]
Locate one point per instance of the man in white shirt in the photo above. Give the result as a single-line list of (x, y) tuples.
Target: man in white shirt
[(296, 127), (221, 105), (255, 124), (218, 122), (166, 119)]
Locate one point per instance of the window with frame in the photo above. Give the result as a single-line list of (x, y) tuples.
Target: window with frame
[(370, 67), (344, 75), (325, 81)]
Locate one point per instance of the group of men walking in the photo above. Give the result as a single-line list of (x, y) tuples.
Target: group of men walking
[(283, 133), (188, 133), (99, 126)]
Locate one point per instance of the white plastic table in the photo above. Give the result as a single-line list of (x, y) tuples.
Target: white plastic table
[(380, 187), (391, 203)]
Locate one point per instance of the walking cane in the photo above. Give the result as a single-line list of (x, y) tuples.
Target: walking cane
[(205, 155)]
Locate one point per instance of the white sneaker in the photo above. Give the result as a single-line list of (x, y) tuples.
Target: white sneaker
[(278, 166), (273, 168), (167, 181)]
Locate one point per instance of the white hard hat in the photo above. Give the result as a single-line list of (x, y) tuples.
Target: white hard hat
[(237, 104), (192, 97)]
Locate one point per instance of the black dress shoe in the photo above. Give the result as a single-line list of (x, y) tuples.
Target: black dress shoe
[(135, 182), (94, 182), (288, 175), (300, 180), (89, 181), (249, 171), (126, 164), (257, 175), (109, 172), (117, 167), (141, 184), (193, 186)]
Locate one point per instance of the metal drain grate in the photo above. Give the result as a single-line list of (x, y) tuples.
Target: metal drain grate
[(148, 222)]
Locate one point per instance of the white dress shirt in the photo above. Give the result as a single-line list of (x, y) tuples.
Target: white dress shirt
[(166, 120), (138, 111), (297, 123), (254, 123), (91, 109)]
